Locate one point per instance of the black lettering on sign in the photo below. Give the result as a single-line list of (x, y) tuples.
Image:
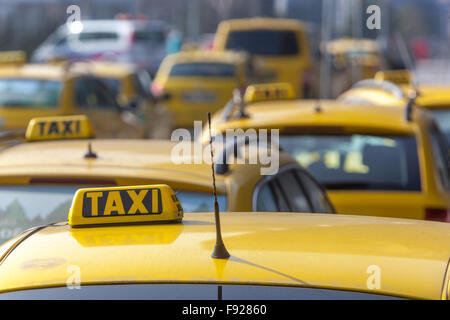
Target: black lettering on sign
[(53, 128), (67, 127), (121, 202)]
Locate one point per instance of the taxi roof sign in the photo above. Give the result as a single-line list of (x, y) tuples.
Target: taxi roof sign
[(125, 205), (394, 76), (268, 91), (59, 128)]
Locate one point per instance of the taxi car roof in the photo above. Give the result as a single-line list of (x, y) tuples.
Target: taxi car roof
[(261, 23), (304, 113), (206, 56), (105, 69), (38, 71), (126, 159), (430, 96), (290, 249)]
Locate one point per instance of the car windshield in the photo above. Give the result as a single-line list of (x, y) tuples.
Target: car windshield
[(30, 93), (23, 207), (190, 292), (358, 161), (200, 69), (264, 42), (442, 117)]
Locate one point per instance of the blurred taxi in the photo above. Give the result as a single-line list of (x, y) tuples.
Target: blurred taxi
[(130, 86), (38, 178), (135, 229), (394, 88), (32, 90), (381, 161), (279, 49), (195, 82), (352, 60)]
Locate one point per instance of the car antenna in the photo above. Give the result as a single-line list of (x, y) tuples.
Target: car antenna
[(407, 61), (90, 154), (220, 252)]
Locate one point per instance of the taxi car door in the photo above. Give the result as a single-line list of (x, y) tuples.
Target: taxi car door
[(93, 99)]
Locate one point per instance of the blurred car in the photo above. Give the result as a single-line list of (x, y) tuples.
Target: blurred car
[(380, 161), (142, 42), (146, 246), (38, 178), (279, 49), (394, 88), (195, 82), (352, 60), (131, 87), (32, 90)]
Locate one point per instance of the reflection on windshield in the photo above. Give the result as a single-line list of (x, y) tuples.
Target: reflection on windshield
[(442, 117), (358, 161), (23, 207)]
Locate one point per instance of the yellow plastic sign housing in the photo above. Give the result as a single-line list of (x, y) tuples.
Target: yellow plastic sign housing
[(125, 205), (59, 128), (268, 91)]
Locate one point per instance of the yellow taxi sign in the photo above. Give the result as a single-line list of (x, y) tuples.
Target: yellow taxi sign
[(57, 128), (125, 205), (13, 57), (268, 91), (395, 76)]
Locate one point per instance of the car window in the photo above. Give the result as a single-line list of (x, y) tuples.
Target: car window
[(91, 93), (316, 194), (198, 69), (440, 155), (29, 93), (358, 161), (284, 193), (264, 42), (266, 201), (293, 191), (442, 117), (23, 207), (200, 201), (178, 291), (97, 36)]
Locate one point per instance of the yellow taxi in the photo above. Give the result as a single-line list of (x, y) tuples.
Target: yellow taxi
[(32, 90), (195, 82), (130, 86), (38, 178), (279, 49), (135, 242), (352, 60), (373, 160), (394, 88)]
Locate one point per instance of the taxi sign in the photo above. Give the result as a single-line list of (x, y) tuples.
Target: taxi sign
[(125, 205), (268, 91), (13, 57), (58, 128), (394, 76)]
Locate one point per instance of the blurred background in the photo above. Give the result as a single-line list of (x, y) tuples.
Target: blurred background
[(423, 24)]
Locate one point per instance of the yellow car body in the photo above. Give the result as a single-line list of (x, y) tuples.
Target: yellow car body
[(429, 199), (272, 256), (393, 88), (279, 47), (24, 99), (196, 83), (51, 170)]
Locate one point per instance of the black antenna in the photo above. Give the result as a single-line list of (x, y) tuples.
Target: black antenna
[(220, 252), (90, 154)]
